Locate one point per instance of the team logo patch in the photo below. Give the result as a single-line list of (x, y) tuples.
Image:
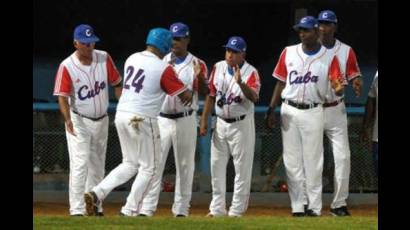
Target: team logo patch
[(233, 42), (175, 29), (88, 33), (325, 15)]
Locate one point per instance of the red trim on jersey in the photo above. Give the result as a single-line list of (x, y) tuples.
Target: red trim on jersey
[(281, 71), (254, 82), (170, 83), (204, 72), (212, 89), (63, 83), (352, 67), (112, 72), (334, 70)]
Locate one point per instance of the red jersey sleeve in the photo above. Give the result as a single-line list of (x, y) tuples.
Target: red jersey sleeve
[(335, 72), (352, 67), (170, 83), (281, 71), (63, 84), (254, 82), (212, 89), (113, 75)]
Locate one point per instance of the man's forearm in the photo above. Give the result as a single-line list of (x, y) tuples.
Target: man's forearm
[(276, 96), (249, 92), (202, 86), (209, 103), (64, 107), (369, 113), (117, 91)]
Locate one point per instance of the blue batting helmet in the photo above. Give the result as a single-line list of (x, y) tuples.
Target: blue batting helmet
[(161, 39)]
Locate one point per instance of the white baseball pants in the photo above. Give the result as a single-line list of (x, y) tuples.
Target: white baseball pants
[(181, 133), (335, 128), (140, 149), (87, 153), (302, 134), (236, 139)]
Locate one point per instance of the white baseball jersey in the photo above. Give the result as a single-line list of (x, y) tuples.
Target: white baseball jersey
[(86, 86), (306, 76), (185, 73), (223, 87), (348, 66), (374, 92), (146, 97)]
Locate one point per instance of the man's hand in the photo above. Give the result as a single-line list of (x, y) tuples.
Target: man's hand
[(357, 86), (203, 128), (70, 127), (270, 118), (364, 138), (337, 86), (238, 77), (186, 97)]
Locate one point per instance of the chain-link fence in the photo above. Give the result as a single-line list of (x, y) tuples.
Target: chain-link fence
[(50, 155)]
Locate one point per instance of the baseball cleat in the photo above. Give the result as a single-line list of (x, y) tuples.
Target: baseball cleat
[(311, 213), (341, 211), (91, 201)]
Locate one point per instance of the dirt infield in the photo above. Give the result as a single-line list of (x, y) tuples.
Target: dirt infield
[(112, 209)]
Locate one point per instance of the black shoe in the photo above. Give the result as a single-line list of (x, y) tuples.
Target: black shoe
[(305, 206), (100, 214), (180, 215), (142, 215), (91, 203), (298, 214), (77, 215), (311, 213), (342, 211)]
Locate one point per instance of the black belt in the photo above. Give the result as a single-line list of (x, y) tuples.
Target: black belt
[(91, 118), (176, 115), (301, 105), (334, 103), (232, 120)]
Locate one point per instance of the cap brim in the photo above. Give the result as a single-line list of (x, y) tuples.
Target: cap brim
[(327, 20), (298, 26), (89, 40), (232, 48)]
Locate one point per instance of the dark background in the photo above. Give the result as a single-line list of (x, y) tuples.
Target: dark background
[(122, 26)]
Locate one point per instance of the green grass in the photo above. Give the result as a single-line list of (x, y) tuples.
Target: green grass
[(196, 223)]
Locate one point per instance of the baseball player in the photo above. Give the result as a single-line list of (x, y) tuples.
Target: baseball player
[(147, 81), (372, 116), (81, 85), (234, 88), (303, 72), (335, 121), (177, 125)]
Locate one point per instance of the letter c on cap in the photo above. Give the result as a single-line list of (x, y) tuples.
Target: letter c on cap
[(233, 42), (88, 32), (175, 29), (325, 14)]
